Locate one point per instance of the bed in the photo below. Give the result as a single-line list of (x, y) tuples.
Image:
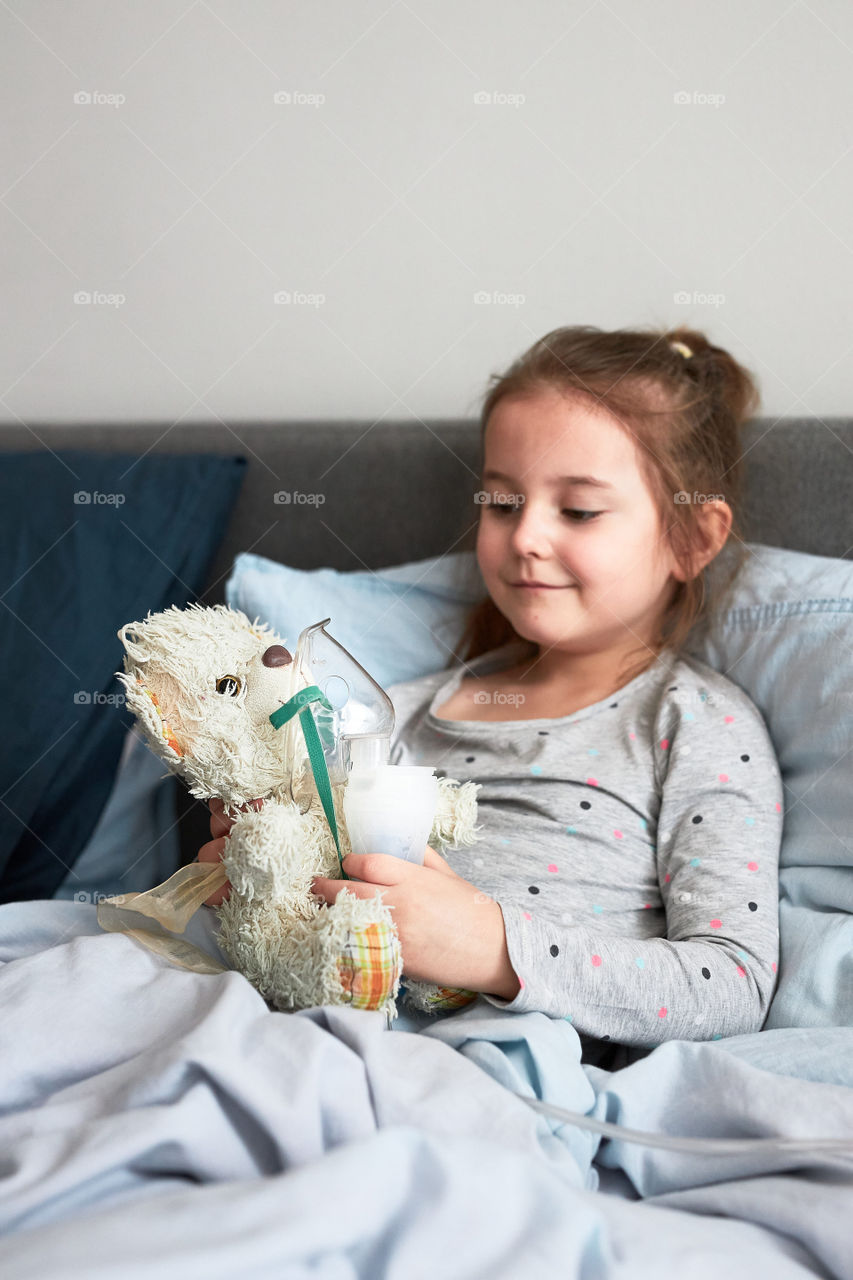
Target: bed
[(156, 1122)]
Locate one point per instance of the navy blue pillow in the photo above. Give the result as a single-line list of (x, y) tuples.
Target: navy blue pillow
[(91, 541)]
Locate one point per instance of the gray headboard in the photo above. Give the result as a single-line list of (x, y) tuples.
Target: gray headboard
[(366, 496)]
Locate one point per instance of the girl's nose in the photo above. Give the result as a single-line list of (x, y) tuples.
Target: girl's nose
[(276, 656), (529, 535)]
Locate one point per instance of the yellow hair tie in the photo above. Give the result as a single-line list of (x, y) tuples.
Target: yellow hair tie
[(682, 349)]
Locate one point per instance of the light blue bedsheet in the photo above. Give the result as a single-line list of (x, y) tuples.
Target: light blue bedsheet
[(171, 1118)]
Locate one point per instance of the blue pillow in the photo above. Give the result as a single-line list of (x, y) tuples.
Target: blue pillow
[(92, 541), (786, 639), (399, 623)]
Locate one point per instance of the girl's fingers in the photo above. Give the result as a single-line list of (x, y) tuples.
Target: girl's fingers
[(220, 823), (212, 852), (435, 862)]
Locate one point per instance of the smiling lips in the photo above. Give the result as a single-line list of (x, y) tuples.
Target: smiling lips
[(542, 586)]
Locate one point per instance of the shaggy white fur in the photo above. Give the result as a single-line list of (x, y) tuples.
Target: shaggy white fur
[(196, 681)]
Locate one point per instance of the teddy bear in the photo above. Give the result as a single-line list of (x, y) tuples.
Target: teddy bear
[(203, 683)]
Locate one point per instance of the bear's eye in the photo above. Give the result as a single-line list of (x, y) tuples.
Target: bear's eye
[(228, 684)]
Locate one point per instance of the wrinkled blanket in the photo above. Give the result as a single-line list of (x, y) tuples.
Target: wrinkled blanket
[(158, 1123)]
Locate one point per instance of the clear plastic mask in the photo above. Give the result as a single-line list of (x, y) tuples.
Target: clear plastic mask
[(361, 721)]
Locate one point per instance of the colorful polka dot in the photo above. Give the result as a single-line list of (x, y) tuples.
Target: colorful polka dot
[(664, 743), (585, 804), (598, 910), (536, 768), (571, 831), (729, 719), (773, 966), (695, 862), (716, 924), (521, 984), (527, 915), (663, 1012), (618, 835), (552, 866), (706, 973), (592, 782), (753, 906), (752, 866), (554, 949), (724, 777), (532, 888), (596, 960), (640, 962)]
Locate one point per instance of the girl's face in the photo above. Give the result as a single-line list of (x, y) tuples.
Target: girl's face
[(600, 553)]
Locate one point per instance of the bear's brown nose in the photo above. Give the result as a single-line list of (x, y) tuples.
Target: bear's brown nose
[(276, 656)]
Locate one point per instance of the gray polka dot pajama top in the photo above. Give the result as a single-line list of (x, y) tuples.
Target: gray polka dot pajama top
[(632, 846)]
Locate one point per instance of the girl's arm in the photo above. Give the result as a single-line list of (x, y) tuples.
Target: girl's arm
[(714, 972)]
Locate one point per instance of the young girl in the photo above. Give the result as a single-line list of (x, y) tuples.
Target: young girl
[(630, 799)]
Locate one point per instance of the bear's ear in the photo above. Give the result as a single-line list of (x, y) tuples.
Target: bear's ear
[(143, 702)]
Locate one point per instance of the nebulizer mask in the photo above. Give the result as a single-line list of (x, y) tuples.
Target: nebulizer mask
[(346, 720)]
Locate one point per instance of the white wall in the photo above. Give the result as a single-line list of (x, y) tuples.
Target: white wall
[(598, 197)]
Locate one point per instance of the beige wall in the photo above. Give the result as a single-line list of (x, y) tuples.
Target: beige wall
[(633, 163)]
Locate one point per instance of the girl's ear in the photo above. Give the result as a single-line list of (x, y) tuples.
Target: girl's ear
[(714, 523)]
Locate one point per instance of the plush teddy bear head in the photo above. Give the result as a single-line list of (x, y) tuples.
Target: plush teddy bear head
[(203, 682)]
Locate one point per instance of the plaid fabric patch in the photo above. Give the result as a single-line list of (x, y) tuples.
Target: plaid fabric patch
[(452, 998), (370, 966)]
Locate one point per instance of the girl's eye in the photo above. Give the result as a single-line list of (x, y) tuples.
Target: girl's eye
[(229, 685), (591, 515), (509, 508)]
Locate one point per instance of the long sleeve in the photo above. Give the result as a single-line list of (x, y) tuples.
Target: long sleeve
[(717, 848)]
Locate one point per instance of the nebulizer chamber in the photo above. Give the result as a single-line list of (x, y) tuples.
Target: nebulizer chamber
[(388, 808)]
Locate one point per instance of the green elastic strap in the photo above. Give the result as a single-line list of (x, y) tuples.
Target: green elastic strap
[(300, 704)]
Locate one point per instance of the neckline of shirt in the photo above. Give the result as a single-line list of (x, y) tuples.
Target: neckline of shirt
[(501, 657)]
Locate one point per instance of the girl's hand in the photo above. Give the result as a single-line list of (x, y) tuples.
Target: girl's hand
[(450, 932), (220, 828)]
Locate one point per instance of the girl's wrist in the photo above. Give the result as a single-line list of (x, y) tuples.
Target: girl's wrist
[(504, 984)]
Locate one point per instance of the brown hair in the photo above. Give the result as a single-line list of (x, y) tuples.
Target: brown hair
[(685, 414)]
